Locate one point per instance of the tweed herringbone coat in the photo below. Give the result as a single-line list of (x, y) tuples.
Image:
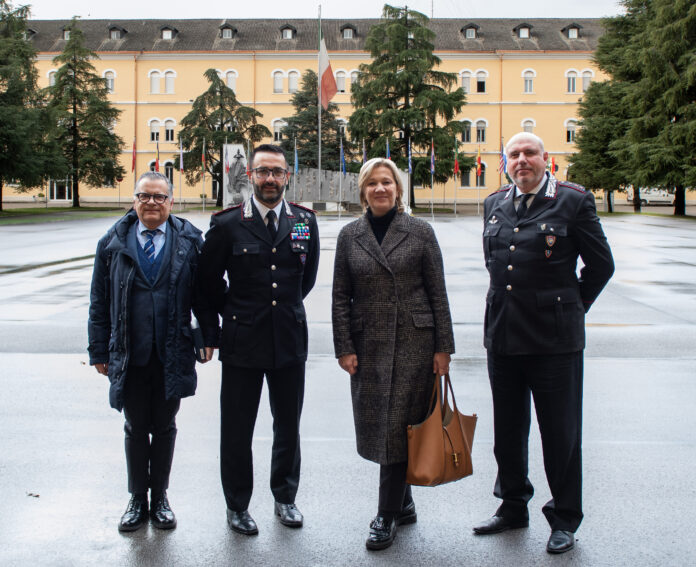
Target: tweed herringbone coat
[(390, 308)]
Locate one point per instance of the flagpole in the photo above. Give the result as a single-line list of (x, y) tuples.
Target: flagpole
[(340, 179), (181, 169), (203, 163), (455, 178), (294, 177), (432, 178), (319, 110)]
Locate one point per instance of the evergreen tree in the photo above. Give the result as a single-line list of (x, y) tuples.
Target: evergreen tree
[(216, 117), (26, 157), (84, 117), (400, 96), (303, 126), (604, 120)]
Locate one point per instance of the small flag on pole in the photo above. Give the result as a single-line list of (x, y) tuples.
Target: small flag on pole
[(227, 163), (326, 76), (157, 158), (502, 164), (410, 165), (478, 162), (456, 162), (248, 168), (181, 156), (296, 166), (364, 152), (203, 157), (133, 164), (553, 165), (388, 152), (343, 158), (432, 156)]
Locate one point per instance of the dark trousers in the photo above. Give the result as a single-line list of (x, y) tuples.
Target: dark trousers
[(555, 382), (239, 403), (150, 428), (394, 493)]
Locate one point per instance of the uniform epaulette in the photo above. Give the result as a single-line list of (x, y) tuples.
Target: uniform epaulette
[(503, 189), (232, 208), (302, 207), (571, 185)]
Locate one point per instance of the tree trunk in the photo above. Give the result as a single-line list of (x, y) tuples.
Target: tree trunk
[(0, 194), (608, 194), (680, 201), (75, 159), (636, 200)]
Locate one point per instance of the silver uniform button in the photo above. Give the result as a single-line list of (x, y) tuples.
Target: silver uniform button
[(510, 268), (558, 299), (273, 250), (234, 317), (516, 229), (273, 303), (512, 248), (245, 250), (508, 287), (273, 267), (274, 284)]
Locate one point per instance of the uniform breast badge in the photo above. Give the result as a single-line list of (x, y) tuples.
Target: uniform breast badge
[(547, 253), (493, 220), (300, 231), (550, 241)]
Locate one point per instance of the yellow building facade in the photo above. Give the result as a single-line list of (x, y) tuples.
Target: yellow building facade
[(518, 76)]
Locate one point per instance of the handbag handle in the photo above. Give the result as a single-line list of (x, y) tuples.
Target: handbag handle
[(455, 412)]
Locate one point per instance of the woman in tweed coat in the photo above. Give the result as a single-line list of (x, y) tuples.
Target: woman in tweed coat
[(392, 333)]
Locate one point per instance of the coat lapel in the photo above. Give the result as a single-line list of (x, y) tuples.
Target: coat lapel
[(396, 233), (366, 239), (254, 223), (284, 223), (544, 200)]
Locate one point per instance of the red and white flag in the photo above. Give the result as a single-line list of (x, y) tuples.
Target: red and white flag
[(133, 164), (326, 76)]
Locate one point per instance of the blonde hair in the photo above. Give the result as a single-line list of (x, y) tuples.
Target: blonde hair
[(365, 173)]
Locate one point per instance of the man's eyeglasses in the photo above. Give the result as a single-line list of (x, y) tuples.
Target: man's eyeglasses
[(156, 197), (263, 172)]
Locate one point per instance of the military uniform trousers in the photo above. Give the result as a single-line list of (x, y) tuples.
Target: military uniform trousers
[(240, 394), (150, 427), (555, 382)]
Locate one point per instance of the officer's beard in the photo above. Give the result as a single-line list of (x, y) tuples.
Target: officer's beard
[(270, 199)]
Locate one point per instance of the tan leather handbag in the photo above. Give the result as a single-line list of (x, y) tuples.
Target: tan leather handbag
[(439, 448)]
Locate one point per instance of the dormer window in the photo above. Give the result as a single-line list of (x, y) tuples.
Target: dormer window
[(29, 33), (348, 32), (116, 33), (288, 32), (470, 31), (227, 32), (572, 31), (523, 31), (168, 33), (66, 35)]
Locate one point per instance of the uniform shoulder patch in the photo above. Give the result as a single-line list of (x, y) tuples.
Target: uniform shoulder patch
[(232, 208), (503, 189), (303, 208), (571, 185)]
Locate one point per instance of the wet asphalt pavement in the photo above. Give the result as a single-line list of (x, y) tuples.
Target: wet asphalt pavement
[(62, 469)]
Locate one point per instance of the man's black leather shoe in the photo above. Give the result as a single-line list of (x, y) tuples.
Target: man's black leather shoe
[(407, 515), (161, 514), (289, 515), (135, 515), (497, 524), (382, 533), (242, 522), (560, 541)]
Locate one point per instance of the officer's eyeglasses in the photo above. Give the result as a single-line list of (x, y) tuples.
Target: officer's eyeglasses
[(156, 197), (263, 172)]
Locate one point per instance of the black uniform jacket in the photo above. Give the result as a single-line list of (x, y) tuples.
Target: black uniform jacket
[(263, 317), (536, 302)]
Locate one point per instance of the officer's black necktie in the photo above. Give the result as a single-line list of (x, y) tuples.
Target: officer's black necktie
[(522, 207), (271, 216)]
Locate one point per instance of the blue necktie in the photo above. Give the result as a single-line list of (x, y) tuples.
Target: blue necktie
[(149, 247)]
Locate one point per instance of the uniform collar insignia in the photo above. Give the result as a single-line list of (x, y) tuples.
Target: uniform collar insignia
[(247, 210), (288, 210), (550, 192), (493, 220)]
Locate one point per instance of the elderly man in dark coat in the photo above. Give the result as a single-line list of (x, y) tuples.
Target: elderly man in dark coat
[(392, 333), (139, 316)]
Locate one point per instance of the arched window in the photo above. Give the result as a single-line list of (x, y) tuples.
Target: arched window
[(466, 81), (278, 126), (169, 171), (169, 82), (466, 131), (481, 179), (169, 130), (51, 78), (528, 81), (481, 81), (481, 131), (571, 77), (341, 81), (278, 82), (293, 81), (353, 78), (154, 82), (110, 76), (586, 80), (528, 126), (571, 126), (154, 130), (231, 78)]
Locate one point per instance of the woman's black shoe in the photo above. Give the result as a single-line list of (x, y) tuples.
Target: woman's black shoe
[(382, 533)]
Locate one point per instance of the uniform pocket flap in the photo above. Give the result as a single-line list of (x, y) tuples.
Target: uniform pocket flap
[(491, 230), (423, 320), (299, 246), (241, 248), (551, 228), (556, 296)]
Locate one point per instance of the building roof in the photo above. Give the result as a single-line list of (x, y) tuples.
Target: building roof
[(547, 34)]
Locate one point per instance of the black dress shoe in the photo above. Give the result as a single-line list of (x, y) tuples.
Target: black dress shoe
[(407, 515), (289, 515), (497, 524), (135, 515), (382, 533), (560, 541), (161, 514), (242, 522)]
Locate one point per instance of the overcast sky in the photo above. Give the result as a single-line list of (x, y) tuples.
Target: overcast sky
[(147, 9)]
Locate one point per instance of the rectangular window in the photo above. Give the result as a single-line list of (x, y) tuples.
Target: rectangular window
[(480, 85), (466, 84), (480, 134), (573, 33), (169, 135), (465, 178), (169, 83), (154, 83), (571, 84), (154, 135), (471, 33), (226, 33), (115, 34), (348, 33), (529, 85), (524, 33), (278, 83), (466, 133), (167, 34), (570, 135)]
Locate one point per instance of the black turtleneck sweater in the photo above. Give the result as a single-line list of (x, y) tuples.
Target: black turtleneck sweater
[(380, 225)]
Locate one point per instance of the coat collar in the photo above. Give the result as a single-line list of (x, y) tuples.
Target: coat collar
[(396, 233)]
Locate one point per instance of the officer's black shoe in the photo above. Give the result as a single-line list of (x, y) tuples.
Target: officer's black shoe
[(407, 514), (160, 513), (382, 533), (497, 524), (560, 541), (289, 515), (135, 515), (242, 522)]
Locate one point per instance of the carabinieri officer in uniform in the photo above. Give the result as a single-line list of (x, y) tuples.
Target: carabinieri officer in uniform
[(269, 249), (534, 232)]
